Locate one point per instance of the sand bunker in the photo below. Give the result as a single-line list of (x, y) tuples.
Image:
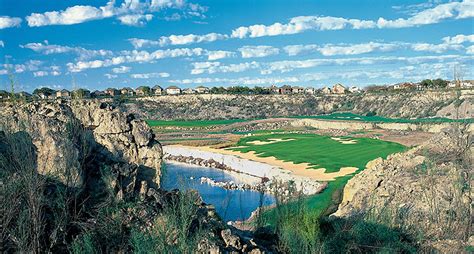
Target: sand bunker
[(300, 169), (345, 141), (271, 141)]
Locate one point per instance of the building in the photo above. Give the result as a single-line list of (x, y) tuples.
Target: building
[(467, 84), (4, 95), (404, 85), (202, 89), (112, 92), (189, 91), (354, 89), (63, 94), (326, 90), (98, 94), (45, 94), (286, 89), (274, 89), (143, 91), (173, 90), (127, 91), (309, 90), (338, 89), (157, 90), (297, 90), (461, 84)]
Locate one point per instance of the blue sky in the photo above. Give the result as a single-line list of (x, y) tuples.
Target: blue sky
[(100, 44)]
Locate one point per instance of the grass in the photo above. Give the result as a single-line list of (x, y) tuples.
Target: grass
[(381, 119), (320, 151), (192, 123), (333, 116)]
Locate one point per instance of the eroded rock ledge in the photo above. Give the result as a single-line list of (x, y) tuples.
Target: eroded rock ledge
[(65, 133)]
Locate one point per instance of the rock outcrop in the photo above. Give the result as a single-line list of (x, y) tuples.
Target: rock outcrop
[(424, 190), (65, 135), (97, 156), (121, 134)]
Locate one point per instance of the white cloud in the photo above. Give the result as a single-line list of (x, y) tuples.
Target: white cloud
[(459, 39), (219, 54), (130, 12), (40, 73), (71, 15), (449, 43), (286, 66), (293, 50), (48, 49), (135, 19), (456, 10), (177, 40), (299, 24), (214, 67), (6, 22), (150, 75), (121, 69), (356, 49), (2, 44), (258, 51), (138, 56), (290, 65), (437, 48), (470, 50), (110, 76)]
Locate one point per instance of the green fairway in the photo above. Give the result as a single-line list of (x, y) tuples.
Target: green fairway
[(381, 119), (193, 123), (320, 151)]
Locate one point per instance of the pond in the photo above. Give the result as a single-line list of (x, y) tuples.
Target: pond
[(231, 205)]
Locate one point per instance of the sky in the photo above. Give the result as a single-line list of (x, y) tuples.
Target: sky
[(100, 44)]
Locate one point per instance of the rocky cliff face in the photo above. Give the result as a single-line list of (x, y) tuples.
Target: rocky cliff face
[(391, 104), (425, 190), (96, 158), (66, 135)]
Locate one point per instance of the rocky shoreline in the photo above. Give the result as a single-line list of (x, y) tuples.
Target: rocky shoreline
[(277, 182)]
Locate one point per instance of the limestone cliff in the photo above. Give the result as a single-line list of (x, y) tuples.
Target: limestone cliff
[(65, 135), (398, 104)]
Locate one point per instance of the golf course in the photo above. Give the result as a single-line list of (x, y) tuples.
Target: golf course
[(319, 152)]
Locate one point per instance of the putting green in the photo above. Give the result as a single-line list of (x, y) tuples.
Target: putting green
[(319, 151)]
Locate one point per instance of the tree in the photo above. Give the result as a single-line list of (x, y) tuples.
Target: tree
[(44, 90), (80, 93), (440, 83), (426, 83)]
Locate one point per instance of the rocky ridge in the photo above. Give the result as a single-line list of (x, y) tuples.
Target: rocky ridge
[(426, 189), (412, 104)]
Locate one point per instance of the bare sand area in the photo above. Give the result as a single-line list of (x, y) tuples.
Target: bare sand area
[(271, 141), (300, 169), (344, 141)]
